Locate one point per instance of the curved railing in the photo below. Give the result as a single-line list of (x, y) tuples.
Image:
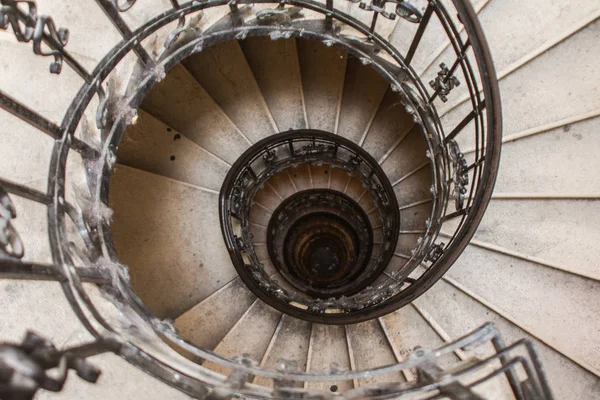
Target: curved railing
[(87, 138), (274, 155)]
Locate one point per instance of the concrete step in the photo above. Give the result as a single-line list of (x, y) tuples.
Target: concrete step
[(226, 76), (321, 176), (390, 125), (180, 102), (155, 226), (81, 19), (251, 335), (283, 185), (329, 347), (552, 304), (276, 68), (514, 28), (37, 306), (152, 146), (522, 227), (291, 343), (433, 37), (528, 93), (364, 89), (322, 69), (458, 314), (207, 323), (25, 78), (370, 349), (302, 177), (414, 189), (24, 158), (559, 160), (407, 156), (407, 330)]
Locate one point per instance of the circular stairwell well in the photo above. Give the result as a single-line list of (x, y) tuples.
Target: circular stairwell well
[(286, 200)]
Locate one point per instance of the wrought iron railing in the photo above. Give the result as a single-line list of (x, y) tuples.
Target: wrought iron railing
[(277, 154), (86, 140)]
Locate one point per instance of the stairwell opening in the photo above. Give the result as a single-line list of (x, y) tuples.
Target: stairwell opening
[(164, 225)]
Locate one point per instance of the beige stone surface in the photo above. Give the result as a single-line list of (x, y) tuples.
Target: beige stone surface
[(165, 193)]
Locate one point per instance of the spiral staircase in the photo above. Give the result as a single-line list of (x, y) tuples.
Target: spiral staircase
[(286, 200)]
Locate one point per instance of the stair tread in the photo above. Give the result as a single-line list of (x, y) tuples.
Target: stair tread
[(553, 304), (275, 65), (25, 78), (322, 69), (433, 38), (291, 344), (251, 335), (182, 103), (31, 224), (391, 123), (560, 160), (523, 226), (415, 188), (39, 305), (224, 73), (302, 177), (208, 322), (409, 330), (328, 347), (371, 350), (320, 176), (152, 146), (155, 226), (528, 27), (531, 91), (364, 89), (339, 179), (459, 314), (24, 158), (409, 155), (283, 185)]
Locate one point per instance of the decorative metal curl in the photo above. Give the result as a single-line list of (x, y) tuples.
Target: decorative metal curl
[(24, 367), (123, 5), (444, 82), (269, 157), (435, 252), (403, 9), (182, 27), (278, 15), (460, 174), (26, 31), (312, 148), (9, 16), (10, 241)]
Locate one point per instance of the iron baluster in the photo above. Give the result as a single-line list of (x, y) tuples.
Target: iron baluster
[(11, 14), (112, 12), (13, 269), (25, 192), (44, 125), (419, 34), (464, 122)]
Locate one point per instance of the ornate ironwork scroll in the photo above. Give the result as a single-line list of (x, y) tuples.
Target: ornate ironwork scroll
[(31, 27), (24, 367), (10, 241), (444, 82)]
